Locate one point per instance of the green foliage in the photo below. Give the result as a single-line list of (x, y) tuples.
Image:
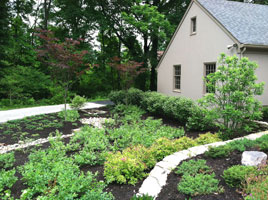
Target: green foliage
[(93, 146), (117, 96), (193, 167), (77, 102), (7, 160), (233, 104), (207, 138), (265, 112), (235, 175), (143, 197), (51, 170), (7, 179), (133, 95), (256, 184), (198, 184), (125, 167), (71, 115), (219, 152)]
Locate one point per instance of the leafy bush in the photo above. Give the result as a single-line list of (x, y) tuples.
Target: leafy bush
[(235, 175), (7, 179), (153, 102), (126, 167), (207, 138), (134, 96), (262, 143), (199, 184), (219, 152), (193, 167), (233, 104), (265, 112), (93, 146), (77, 102), (7, 160), (51, 170), (256, 184), (117, 97), (71, 115)]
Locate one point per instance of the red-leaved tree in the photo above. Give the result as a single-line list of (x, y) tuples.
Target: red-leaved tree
[(127, 71), (63, 58)]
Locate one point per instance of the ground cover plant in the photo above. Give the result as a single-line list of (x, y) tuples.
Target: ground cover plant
[(234, 181)]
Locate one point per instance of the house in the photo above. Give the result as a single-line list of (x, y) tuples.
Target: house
[(208, 28)]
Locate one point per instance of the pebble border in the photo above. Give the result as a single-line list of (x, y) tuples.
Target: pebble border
[(157, 178)]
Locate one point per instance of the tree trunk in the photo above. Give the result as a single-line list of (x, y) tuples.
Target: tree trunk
[(65, 102), (154, 62)]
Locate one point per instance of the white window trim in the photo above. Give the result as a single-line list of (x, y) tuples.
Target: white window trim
[(204, 75), (176, 89), (192, 25)]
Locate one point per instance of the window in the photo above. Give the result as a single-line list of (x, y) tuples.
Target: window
[(177, 77), (193, 25), (209, 68)]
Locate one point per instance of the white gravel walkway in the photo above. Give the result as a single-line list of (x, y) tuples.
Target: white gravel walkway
[(26, 112)]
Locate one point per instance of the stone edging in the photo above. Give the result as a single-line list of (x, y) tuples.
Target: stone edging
[(157, 178), (5, 149)]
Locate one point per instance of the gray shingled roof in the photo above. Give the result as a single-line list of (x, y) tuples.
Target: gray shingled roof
[(248, 23)]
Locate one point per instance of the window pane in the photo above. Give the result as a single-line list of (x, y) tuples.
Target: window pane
[(210, 68), (177, 77)]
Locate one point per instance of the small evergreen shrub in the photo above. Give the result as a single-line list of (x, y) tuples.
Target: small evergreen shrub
[(117, 97), (219, 152), (199, 184), (77, 102), (235, 175), (207, 138), (193, 167), (143, 197)]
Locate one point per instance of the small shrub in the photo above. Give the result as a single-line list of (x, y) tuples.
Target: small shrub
[(219, 152), (7, 160), (153, 102), (7, 179), (117, 97), (256, 185), (265, 112), (125, 167), (262, 143), (193, 167), (207, 138), (77, 102), (71, 115), (134, 96), (235, 175), (199, 184)]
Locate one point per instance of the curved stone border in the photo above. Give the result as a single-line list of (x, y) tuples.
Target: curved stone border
[(157, 178)]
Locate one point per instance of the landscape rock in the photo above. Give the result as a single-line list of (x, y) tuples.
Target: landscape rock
[(253, 158)]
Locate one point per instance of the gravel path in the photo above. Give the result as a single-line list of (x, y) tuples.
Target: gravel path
[(26, 112)]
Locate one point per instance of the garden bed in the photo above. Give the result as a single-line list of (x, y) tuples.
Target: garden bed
[(132, 134), (218, 164)]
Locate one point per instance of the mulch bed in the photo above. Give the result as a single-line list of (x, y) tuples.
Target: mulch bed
[(170, 192), (121, 192)]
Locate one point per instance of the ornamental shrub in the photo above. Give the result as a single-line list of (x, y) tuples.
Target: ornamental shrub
[(7, 160), (117, 96), (7, 179), (77, 102), (235, 175), (71, 115), (219, 152), (233, 103), (199, 184), (193, 167), (265, 112), (207, 138)]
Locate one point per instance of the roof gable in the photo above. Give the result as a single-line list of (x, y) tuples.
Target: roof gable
[(248, 23)]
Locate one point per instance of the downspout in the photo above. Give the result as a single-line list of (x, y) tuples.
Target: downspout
[(242, 51)]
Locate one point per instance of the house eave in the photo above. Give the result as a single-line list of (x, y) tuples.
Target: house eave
[(254, 46)]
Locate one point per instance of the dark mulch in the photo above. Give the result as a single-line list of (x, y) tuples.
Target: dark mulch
[(15, 133), (170, 192)]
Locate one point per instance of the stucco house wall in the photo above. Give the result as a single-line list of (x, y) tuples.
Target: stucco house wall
[(193, 51)]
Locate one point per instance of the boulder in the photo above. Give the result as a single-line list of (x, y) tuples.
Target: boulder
[(253, 158)]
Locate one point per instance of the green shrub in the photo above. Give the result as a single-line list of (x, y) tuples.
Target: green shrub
[(153, 102), (265, 112), (219, 152), (256, 185), (7, 160), (134, 96), (207, 138), (193, 167), (125, 167), (199, 184), (77, 102), (117, 96), (71, 115), (51, 170), (235, 175), (233, 104), (262, 143), (7, 179)]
